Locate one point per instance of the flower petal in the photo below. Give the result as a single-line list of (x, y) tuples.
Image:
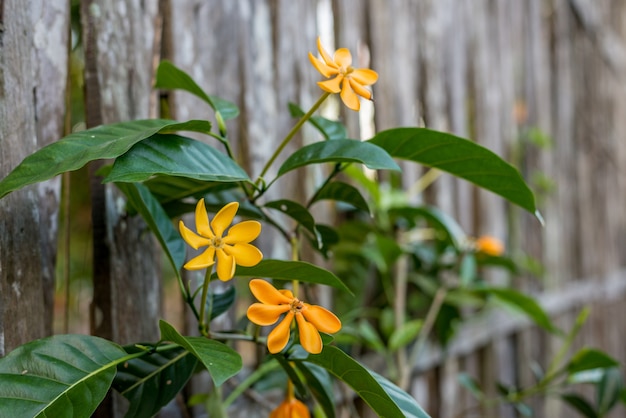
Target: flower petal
[(279, 337), (325, 55), (349, 97), (359, 89), (202, 220), (243, 232), (299, 409), (364, 76), (263, 315), (266, 293), (246, 255), (324, 69), (194, 240), (310, 338), (224, 218), (225, 265), (321, 318), (204, 260), (332, 86), (343, 58)]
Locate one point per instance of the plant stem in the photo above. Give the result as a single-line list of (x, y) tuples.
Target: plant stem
[(290, 135), (204, 325), (295, 257), (426, 180)]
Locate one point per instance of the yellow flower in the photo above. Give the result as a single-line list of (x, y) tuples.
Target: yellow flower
[(310, 318), (291, 408), (489, 245), (349, 80), (231, 249)]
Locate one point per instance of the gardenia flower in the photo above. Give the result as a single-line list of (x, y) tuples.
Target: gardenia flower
[(231, 249), (310, 318), (349, 81), (291, 408), (489, 245)]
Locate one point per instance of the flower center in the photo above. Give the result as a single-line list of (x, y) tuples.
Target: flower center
[(217, 243), (345, 71), (296, 305)]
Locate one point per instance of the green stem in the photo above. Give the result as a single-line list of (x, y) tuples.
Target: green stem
[(429, 322), (295, 257), (290, 135), (204, 324), (338, 169), (423, 182)]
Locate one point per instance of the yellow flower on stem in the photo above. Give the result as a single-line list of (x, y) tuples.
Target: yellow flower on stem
[(291, 408), (348, 80), (310, 318), (230, 249), (489, 245)]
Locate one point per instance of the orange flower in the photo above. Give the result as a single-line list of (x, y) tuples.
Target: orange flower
[(349, 81), (291, 408), (489, 245), (310, 318), (231, 249)]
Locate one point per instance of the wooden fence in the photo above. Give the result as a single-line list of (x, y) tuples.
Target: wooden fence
[(502, 72)]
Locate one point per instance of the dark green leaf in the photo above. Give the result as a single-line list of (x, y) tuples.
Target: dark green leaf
[(77, 149), (221, 361), (609, 389), (295, 211), (386, 399), (329, 128), (169, 189), (589, 358), (342, 192), (178, 156), (321, 386), (169, 76), (580, 404), (340, 150), (64, 376), (447, 227), (327, 237), (459, 157), (160, 224), (151, 381), (292, 270), (523, 303), (218, 303)]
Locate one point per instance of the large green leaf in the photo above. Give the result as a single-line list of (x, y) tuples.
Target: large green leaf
[(178, 156), (64, 376), (169, 189), (169, 76), (295, 211), (460, 157), (386, 399), (342, 192), (77, 149), (218, 303), (523, 303), (590, 358), (221, 361), (160, 224), (292, 270), (320, 384), (340, 150), (151, 381)]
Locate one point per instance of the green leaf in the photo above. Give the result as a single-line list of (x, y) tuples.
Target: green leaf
[(159, 223), (218, 303), (168, 189), (342, 192), (340, 150), (221, 361), (402, 336), (580, 404), (448, 228), (77, 149), (151, 381), (292, 270), (64, 376), (319, 382), (589, 358), (609, 389), (459, 157), (174, 155), (329, 128), (386, 399), (523, 303), (169, 76), (295, 211)]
